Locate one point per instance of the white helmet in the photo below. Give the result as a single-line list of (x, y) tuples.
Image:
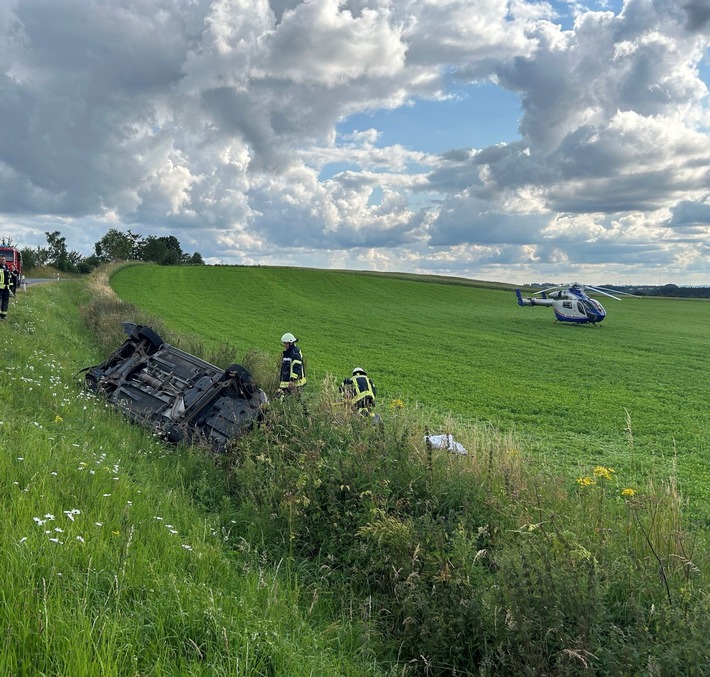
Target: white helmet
[(359, 370), (288, 337)]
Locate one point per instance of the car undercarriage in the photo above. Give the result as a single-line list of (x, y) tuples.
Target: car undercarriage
[(180, 396)]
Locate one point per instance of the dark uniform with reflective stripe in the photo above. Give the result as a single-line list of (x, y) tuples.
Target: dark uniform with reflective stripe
[(5, 284), (292, 369), (359, 391)]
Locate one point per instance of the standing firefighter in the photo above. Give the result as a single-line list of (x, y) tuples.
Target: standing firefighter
[(293, 372), (5, 285), (359, 392)]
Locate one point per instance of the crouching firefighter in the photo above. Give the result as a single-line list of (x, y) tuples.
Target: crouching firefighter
[(359, 394), (293, 372)]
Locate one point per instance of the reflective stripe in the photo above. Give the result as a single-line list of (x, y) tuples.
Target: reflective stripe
[(359, 391), (292, 369), (296, 371), (363, 388)]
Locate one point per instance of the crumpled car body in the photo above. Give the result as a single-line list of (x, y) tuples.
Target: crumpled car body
[(178, 395)]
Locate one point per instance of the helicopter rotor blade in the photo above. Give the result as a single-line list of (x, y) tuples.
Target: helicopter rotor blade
[(577, 287), (618, 291), (607, 292), (544, 291), (601, 291)]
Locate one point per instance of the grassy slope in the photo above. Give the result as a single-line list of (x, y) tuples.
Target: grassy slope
[(569, 391), (119, 554)]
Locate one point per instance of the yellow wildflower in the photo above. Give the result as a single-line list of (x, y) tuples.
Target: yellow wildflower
[(585, 481), (397, 404), (58, 419), (628, 492), (601, 471)]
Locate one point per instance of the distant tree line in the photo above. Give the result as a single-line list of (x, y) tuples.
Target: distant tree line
[(665, 290), (682, 292), (112, 247)]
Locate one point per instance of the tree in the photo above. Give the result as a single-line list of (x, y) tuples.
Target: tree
[(29, 258), (196, 260), (88, 264), (58, 255), (41, 256), (118, 246), (74, 258), (163, 250)]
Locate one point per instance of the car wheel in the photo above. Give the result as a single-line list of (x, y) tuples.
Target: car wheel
[(244, 380), (152, 338), (92, 382), (173, 434)]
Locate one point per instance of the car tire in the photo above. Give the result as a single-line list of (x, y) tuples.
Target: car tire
[(173, 434), (152, 338), (245, 381), (92, 381)]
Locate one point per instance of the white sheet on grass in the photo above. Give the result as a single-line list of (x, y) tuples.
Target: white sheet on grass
[(446, 441)]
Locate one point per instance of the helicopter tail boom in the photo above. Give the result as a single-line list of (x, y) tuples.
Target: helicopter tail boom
[(527, 301)]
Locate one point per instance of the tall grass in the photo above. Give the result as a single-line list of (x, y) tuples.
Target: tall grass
[(320, 544), (484, 563), (120, 555)]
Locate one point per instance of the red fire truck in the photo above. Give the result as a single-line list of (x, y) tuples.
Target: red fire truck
[(13, 259)]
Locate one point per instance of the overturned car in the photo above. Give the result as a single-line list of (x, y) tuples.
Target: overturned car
[(178, 395)]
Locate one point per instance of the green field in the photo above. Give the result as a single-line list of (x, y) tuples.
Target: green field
[(318, 545), (568, 392)]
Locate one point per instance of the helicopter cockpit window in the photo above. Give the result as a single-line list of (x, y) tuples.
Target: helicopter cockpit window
[(567, 304), (591, 308)]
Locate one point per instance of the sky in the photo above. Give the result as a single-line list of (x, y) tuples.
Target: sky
[(501, 140)]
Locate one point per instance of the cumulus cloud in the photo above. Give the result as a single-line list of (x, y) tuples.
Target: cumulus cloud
[(698, 14), (218, 121)]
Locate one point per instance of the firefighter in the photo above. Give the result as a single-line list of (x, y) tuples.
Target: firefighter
[(5, 284), (359, 392), (293, 371)]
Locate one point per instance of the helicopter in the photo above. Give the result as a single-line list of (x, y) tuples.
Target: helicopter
[(572, 303)]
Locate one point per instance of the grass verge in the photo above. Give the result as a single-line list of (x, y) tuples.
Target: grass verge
[(120, 555)]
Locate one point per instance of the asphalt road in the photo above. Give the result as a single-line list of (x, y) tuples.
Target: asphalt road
[(37, 280)]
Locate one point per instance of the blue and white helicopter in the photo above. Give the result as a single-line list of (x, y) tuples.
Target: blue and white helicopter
[(571, 303)]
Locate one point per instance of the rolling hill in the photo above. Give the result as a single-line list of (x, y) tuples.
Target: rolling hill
[(629, 393)]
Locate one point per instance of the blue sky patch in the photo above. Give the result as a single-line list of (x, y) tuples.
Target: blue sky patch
[(476, 116)]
